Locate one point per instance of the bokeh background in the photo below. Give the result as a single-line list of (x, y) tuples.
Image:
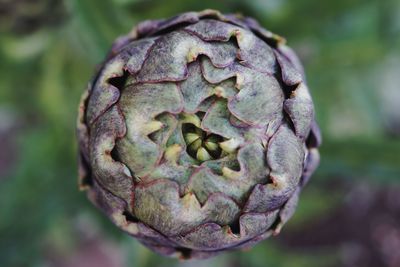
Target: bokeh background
[(349, 215)]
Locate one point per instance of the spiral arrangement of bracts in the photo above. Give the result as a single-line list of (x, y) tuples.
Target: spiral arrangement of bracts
[(197, 134)]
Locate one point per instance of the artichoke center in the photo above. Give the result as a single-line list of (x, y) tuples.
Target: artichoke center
[(200, 144)]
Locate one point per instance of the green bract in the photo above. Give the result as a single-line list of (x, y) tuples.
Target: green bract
[(197, 134)]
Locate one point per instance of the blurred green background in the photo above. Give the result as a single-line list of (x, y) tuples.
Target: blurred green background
[(348, 215)]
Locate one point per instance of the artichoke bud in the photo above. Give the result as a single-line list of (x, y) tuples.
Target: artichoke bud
[(172, 153), (196, 145), (202, 154), (230, 145), (190, 118), (197, 134), (191, 137), (229, 173), (210, 145)]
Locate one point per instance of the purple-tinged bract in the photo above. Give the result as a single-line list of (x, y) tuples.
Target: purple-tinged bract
[(197, 134)]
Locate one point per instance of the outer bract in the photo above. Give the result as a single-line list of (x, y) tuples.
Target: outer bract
[(197, 134)]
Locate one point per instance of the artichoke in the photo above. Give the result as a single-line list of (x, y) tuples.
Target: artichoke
[(197, 134)]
